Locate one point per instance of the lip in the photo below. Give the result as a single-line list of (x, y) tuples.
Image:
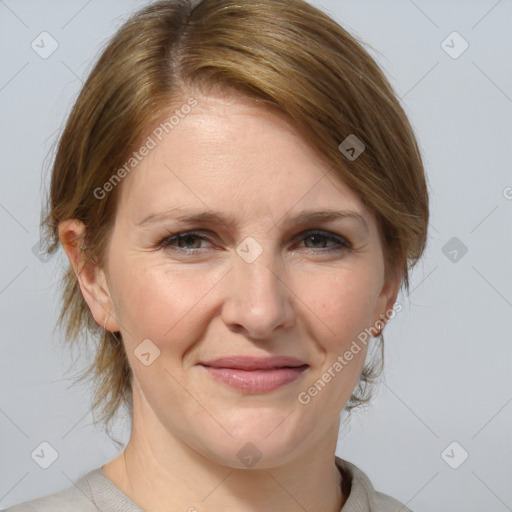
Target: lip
[(255, 375), (254, 363)]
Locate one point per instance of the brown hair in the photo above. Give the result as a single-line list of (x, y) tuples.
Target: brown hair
[(282, 53)]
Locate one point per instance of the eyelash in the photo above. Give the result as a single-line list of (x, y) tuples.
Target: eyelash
[(342, 243)]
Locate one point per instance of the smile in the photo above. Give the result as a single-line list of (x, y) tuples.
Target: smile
[(255, 381)]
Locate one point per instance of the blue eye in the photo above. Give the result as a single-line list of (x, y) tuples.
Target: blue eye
[(190, 242)]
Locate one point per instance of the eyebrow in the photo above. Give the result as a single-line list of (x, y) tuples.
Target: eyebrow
[(187, 216)]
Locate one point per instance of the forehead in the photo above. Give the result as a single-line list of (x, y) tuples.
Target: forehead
[(232, 154)]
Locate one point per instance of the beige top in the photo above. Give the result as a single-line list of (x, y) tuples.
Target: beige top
[(94, 492)]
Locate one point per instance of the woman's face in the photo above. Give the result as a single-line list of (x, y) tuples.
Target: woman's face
[(250, 277)]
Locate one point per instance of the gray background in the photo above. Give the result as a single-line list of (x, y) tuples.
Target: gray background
[(448, 354)]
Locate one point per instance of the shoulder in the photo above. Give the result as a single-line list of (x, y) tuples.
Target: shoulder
[(385, 503), (78, 497), (363, 496)]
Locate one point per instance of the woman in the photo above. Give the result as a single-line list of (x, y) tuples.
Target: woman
[(240, 196)]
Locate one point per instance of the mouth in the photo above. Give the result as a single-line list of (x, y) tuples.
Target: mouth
[(253, 375), (249, 363)]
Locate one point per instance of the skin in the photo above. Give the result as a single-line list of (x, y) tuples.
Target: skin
[(295, 299)]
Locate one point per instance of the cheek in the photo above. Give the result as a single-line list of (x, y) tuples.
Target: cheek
[(158, 303), (339, 307), (342, 302)]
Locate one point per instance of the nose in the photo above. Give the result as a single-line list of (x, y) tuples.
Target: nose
[(257, 300)]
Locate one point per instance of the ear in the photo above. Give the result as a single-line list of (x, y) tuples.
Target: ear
[(386, 299), (91, 278)]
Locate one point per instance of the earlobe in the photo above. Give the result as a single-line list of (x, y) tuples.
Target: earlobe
[(91, 278)]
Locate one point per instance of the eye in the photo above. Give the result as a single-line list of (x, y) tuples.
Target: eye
[(319, 239), (190, 242)]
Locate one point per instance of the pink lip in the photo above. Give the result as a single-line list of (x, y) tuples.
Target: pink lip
[(254, 363), (254, 374)]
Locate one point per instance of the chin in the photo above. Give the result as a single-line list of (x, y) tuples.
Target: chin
[(262, 454), (256, 439)]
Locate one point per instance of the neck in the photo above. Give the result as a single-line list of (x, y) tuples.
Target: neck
[(158, 471)]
